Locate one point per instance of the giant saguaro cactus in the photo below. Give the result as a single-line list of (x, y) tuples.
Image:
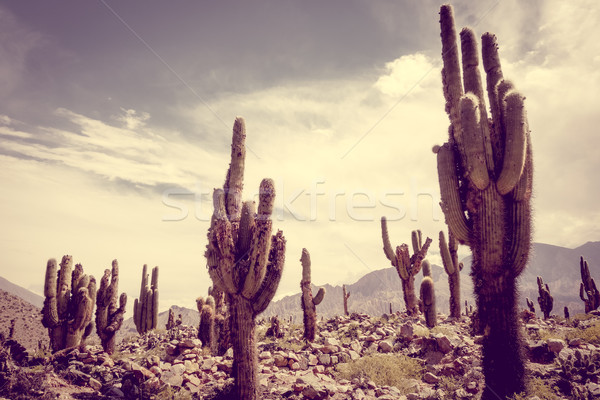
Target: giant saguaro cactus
[(545, 299), (308, 302), (145, 309), (406, 265), (244, 261), (109, 316), (449, 253), (588, 292), (69, 304), (485, 175)]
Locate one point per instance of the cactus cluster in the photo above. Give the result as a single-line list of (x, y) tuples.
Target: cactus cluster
[(308, 302), (69, 303), (449, 253), (109, 315), (588, 292), (485, 174), (145, 309), (346, 295), (530, 305), (580, 367), (406, 265), (545, 299), (428, 302), (244, 261)]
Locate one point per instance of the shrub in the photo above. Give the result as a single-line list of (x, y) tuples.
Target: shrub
[(589, 335), (383, 369)]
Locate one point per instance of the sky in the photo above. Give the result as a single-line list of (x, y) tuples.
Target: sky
[(116, 123)]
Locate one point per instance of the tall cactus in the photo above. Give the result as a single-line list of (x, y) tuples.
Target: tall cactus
[(145, 309), (545, 299), (109, 316), (588, 292), (406, 265), (449, 252), (244, 261), (485, 175), (309, 304), (69, 303), (428, 300), (346, 295)]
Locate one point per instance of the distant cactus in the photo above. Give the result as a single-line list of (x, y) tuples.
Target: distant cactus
[(69, 304), (275, 328), (206, 329), (566, 312), (309, 304), (109, 316), (449, 252), (545, 299), (145, 309), (588, 292), (346, 295), (219, 296), (428, 301), (244, 261), (170, 320), (485, 175), (530, 305), (406, 265)]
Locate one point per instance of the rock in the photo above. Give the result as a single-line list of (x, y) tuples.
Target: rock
[(190, 343), (555, 345), (280, 361), (443, 343), (169, 377), (95, 384), (324, 359), (431, 378), (385, 346)]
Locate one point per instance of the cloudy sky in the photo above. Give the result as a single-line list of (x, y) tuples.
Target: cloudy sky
[(116, 123)]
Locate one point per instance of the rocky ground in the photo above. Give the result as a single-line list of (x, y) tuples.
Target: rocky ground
[(355, 357)]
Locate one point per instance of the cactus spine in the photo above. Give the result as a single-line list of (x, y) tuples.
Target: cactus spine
[(406, 265), (449, 252), (545, 299), (109, 316), (244, 261), (485, 176), (346, 295), (145, 309), (309, 304), (588, 292), (428, 301), (69, 303)]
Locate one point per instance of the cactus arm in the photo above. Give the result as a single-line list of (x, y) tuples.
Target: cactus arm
[(319, 297), (445, 253), (261, 241), (417, 258), (451, 74), (403, 261), (234, 183), (221, 241), (450, 197), (387, 246), (50, 317), (475, 152), (428, 300), (415, 237), (274, 271), (516, 143)]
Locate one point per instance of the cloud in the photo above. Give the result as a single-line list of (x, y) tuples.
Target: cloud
[(407, 75)]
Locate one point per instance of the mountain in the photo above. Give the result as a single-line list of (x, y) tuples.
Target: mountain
[(23, 293), (373, 293), (28, 328)]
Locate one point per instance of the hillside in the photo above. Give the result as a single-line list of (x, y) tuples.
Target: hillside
[(23, 293), (28, 330)]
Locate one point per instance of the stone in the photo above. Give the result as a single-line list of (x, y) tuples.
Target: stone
[(171, 378), (556, 345), (280, 361), (385, 346), (95, 384), (431, 378), (443, 344), (324, 359)]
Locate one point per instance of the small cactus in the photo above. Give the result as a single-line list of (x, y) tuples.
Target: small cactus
[(145, 309), (530, 305), (309, 304), (206, 329), (68, 307), (109, 317), (346, 295), (406, 265), (566, 312), (545, 299), (449, 252), (170, 320), (244, 261), (428, 301), (588, 292)]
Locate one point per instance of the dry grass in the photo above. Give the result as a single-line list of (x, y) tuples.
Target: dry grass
[(589, 335), (538, 387), (383, 369)]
